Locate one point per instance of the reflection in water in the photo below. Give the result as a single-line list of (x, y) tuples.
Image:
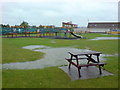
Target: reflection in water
[(53, 57)]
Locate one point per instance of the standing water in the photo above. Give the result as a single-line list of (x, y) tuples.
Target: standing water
[(53, 57), (105, 38)]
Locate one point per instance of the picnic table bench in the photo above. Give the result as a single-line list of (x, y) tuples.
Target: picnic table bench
[(88, 56)]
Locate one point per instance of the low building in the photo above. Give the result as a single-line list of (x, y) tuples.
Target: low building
[(109, 25), (103, 26)]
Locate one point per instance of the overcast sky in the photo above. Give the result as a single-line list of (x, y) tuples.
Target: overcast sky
[(54, 12)]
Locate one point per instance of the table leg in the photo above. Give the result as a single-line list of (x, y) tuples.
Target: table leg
[(98, 57), (77, 60), (88, 62), (79, 72), (70, 60), (78, 65), (69, 65), (100, 70)]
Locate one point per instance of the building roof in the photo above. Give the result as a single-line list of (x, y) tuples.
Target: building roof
[(103, 22), (68, 23)]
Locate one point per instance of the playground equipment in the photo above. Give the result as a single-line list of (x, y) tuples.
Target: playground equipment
[(76, 35), (56, 32), (64, 32)]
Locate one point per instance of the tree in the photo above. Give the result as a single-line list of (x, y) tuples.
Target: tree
[(34, 26), (7, 25), (24, 24), (40, 26)]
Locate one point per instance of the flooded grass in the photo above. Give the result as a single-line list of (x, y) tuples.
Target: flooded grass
[(106, 38), (52, 57)]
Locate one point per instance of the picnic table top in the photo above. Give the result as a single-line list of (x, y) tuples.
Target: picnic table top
[(85, 53)]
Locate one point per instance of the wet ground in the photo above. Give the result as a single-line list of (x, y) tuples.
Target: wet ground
[(105, 38), (86, 72), (52, 57)]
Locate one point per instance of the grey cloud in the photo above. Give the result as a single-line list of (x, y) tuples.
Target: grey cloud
[(56, 12)]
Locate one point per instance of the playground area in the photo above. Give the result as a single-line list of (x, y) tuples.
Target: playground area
[(20, 31)]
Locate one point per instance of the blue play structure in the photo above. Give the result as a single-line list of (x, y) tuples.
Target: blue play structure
[(19, 31)]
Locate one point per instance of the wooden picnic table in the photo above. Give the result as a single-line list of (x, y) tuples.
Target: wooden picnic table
[(88, 56)]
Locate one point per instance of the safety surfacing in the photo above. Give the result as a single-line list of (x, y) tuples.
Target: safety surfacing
[(86, 72)]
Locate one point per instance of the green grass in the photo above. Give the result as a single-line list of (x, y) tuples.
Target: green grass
[(93, 35), (0, 50), (0, 78), (54, 77), (13, 52)]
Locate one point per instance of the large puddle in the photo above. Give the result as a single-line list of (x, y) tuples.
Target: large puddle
[(53, 57), (105, 38)]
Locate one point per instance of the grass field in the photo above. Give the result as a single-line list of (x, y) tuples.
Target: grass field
[(54, 77)]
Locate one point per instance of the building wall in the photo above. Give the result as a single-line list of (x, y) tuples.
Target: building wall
[(98, 30), (104, 25), (91, 30)]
